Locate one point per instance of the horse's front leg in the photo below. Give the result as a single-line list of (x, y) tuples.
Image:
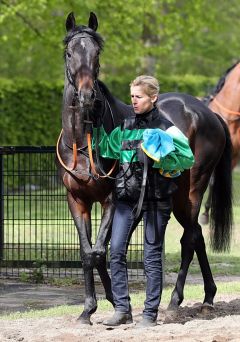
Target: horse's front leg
[(100, 247), (82, 220)]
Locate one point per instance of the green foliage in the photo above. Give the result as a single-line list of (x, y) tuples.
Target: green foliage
[(164, 38), (155, 36), (24, 277), (30, 112), (36, 275), (37, 272), (195, 85)]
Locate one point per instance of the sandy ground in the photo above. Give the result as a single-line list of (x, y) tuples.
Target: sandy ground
[(188, 324)]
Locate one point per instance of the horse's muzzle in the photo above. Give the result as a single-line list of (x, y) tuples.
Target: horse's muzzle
[(86, 98)]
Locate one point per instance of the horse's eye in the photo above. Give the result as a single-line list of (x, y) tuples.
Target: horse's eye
[(69, 55)]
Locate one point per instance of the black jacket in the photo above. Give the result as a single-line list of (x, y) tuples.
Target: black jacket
[(129, 179)]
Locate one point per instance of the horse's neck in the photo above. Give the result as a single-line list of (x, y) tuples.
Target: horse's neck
[(229, 95), (115, 110), (68, 121)]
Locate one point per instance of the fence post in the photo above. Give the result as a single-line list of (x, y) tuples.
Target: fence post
[(1, 208)]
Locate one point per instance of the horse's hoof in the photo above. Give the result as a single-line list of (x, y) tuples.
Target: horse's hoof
[(207, 308), (84, 320), (172, 308), (204, 219), (170, 315)]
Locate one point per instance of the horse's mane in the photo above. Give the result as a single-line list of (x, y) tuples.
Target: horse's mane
[(111, 98), (106, 91), (219, 85), (120, 109), (84, 29)]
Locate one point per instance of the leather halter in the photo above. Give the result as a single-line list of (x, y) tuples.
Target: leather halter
[(227, 111), (224, 108), (95, 174)]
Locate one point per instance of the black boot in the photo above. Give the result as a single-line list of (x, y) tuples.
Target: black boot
[(119, 318)]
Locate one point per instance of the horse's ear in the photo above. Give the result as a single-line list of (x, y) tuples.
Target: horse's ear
[(70, 22), (93, 22)]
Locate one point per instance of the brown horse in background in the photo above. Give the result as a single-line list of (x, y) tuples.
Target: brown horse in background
[(225, 101)]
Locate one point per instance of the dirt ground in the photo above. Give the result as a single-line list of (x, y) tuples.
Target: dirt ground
[(187, 325)]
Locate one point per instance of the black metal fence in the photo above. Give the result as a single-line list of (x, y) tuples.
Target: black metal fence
[(37, 233)]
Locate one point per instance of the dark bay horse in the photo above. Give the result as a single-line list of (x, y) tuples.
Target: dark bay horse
[(87, 101), (225, 101), (80, 176)]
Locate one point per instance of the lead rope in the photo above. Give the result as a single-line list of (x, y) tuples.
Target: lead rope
[(90, 153)]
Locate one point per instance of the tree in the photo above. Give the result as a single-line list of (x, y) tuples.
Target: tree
[(141, 36)]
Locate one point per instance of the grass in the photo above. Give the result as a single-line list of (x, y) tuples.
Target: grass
[(227, 263), (191, 292)]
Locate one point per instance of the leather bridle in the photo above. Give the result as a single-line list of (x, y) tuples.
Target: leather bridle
[(88, 123)]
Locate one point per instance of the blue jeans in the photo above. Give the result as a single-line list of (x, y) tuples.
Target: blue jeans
[(155, 222)]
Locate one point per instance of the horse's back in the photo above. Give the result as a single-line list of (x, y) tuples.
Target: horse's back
[(194, 119)]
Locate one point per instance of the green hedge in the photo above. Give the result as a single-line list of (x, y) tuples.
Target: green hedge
[(195, 85), (30, 112)]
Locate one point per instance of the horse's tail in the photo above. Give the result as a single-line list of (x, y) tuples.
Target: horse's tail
[(221, 217)]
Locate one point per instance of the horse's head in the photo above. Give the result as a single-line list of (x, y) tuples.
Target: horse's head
[(82, 48)]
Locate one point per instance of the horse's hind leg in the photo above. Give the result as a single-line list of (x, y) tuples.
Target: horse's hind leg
[(210, 288), (186, 212), (99, 249), (82, 219), (193, 240), (187, 252), (204, 218)]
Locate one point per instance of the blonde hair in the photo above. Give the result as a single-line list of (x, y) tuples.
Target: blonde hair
[(150, 84)]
